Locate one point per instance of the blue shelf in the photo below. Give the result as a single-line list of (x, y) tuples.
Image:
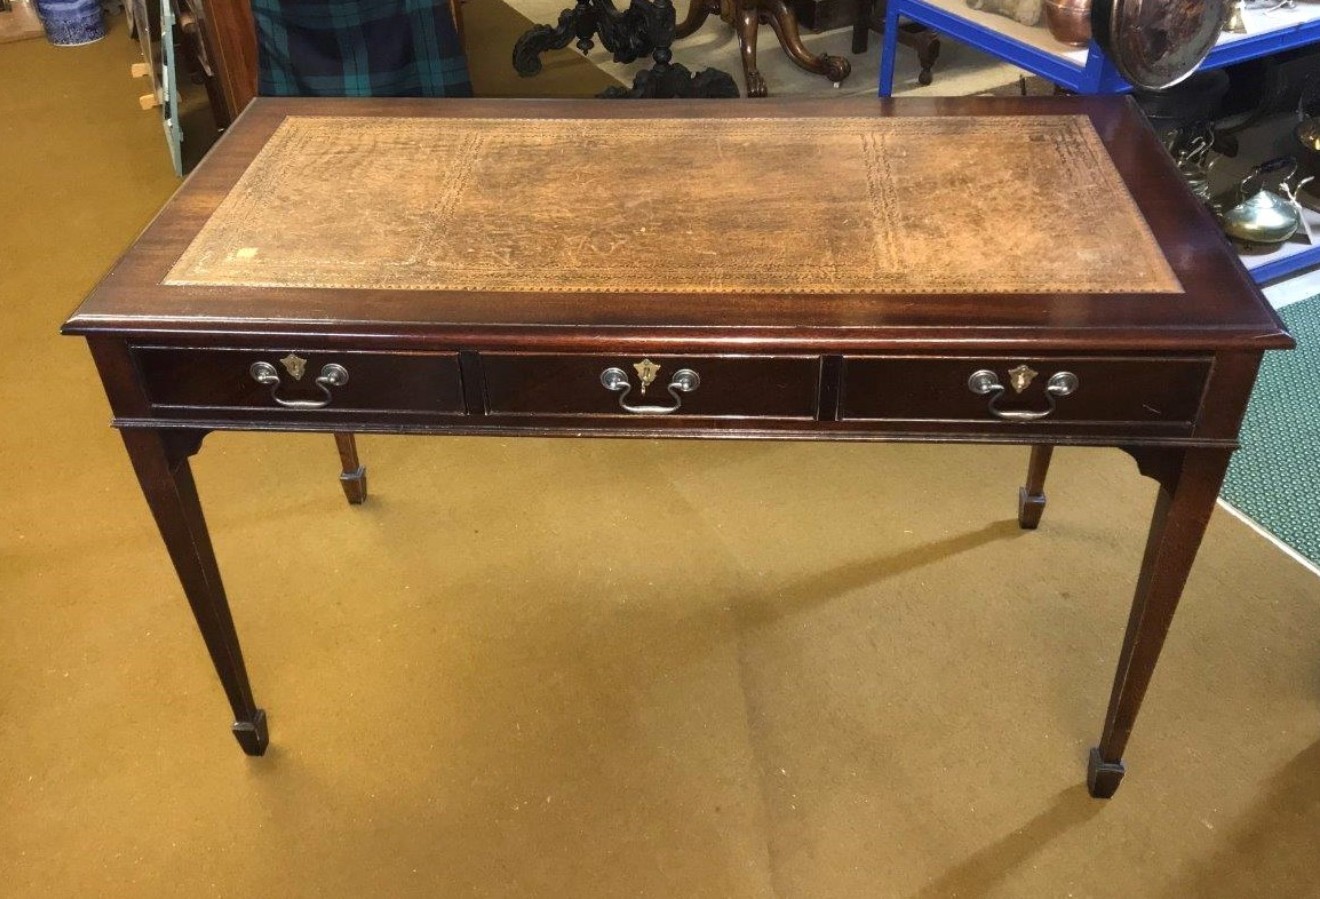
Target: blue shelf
[(1089, 71), (1291, 259), (1093, 76)]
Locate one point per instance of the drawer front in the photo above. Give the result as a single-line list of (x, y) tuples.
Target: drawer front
[(727, 386), (375, 382), (1164, 393)]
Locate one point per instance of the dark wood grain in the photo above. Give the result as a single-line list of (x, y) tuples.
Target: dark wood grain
[(232, 37), (1031, 496), (1131, 391), (1189, 486), (1166, 377), (167, 484), (731, 386), (353, 474), (1220, 307), (403, 382)]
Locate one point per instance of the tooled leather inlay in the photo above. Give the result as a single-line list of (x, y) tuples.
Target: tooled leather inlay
[(1002, 204)]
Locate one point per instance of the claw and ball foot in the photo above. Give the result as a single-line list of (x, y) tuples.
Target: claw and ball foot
[(746, 16), (784, 22), (746, 22)]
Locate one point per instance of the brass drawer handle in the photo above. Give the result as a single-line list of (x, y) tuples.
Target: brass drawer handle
[(985, 382), (332, 375), (685, 380)]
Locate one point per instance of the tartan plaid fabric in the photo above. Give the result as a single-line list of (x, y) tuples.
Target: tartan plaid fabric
[(359, 48)]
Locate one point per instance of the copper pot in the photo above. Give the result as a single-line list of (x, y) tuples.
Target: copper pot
[(1069, 21), (1154, 44)]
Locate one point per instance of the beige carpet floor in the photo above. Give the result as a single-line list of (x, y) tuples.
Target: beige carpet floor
[(594, 668)]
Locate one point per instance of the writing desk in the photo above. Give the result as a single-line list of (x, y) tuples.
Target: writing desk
[(1036, 274)]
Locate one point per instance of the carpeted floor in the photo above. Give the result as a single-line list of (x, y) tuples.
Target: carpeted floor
[(595, 668), (1275, 477)]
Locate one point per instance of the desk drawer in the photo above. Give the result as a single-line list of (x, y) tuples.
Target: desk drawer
[(1159, 392), (724, 386), (376, 382)]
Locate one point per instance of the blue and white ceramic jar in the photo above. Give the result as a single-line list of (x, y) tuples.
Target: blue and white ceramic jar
[(71, 22)]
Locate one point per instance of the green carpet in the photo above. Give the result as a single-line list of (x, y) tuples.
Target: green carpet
[(1275, 477)]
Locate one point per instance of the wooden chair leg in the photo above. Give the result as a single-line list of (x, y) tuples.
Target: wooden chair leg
[(784, 22), (861, 33), (354, 476), (1031, 498), (746, 21), (927, 44)]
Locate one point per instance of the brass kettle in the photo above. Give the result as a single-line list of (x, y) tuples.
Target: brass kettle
[(1256, 216)]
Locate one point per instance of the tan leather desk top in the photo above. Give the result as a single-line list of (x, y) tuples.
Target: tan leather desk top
[(950, 204)]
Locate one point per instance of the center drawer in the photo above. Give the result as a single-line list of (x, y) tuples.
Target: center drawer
[(725, 386)]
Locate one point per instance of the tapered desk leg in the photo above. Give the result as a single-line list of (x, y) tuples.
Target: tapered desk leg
[(354, 476), (1031, 498), (166, 478), (1189, 485)]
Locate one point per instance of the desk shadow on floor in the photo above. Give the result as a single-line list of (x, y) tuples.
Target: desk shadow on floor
[(983, 871), (573, 702), (822, 586), (1273, 842)]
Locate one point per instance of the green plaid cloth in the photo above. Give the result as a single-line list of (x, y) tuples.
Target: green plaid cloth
[(359, 48)]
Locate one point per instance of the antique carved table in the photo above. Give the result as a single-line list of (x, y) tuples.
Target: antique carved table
[(595, 269)]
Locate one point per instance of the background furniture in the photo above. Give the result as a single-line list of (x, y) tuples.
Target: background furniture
[(649, 27), (1088, 71), (1147, 340), (746, 17), (645, 27), (231, 34), (870, 16)]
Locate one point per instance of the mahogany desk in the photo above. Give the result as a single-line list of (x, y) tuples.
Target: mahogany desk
[(1038, 275)]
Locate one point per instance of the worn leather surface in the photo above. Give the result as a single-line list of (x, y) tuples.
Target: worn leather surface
[(933, 205)]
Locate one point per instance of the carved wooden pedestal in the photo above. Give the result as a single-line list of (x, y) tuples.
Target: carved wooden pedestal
[(746, 17), (647, 26)]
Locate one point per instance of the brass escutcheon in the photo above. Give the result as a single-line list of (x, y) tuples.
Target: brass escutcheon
[(646, 372), (1021, 378), (295, 365)]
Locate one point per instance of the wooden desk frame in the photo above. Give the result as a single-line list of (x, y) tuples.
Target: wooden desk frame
[(152, 342)]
